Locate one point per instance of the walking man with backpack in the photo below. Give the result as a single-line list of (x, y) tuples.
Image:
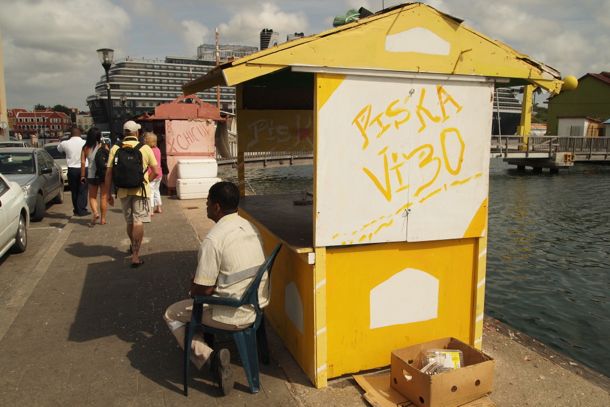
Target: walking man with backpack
[(127, 168)]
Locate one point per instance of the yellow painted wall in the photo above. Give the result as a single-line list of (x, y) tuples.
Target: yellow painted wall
[(351, 272), (291, 267)]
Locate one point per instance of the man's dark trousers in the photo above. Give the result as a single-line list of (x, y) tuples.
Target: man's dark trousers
[(79, 192)]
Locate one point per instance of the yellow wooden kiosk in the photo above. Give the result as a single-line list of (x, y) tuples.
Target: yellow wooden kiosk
[(397, 110)]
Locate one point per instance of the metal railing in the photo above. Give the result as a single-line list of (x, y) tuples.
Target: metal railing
[(264, 157), (586, 148), (582, 148)]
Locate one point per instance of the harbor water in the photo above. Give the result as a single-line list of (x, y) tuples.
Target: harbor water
[(548, 264)]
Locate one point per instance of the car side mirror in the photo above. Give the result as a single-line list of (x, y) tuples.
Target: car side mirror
[(46, 170)]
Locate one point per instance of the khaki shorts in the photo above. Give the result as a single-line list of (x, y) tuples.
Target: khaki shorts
[(136, 209)]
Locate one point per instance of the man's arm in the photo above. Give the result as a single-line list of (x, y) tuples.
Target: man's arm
[(83, 164), (107, 183), (153, 165), (208, 267), (154, 172), (60, 147), (197, 289)]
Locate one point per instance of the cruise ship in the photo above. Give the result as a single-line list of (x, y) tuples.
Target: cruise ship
[(138, 85)]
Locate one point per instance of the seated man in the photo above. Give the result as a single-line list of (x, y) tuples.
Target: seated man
[(229, 257)]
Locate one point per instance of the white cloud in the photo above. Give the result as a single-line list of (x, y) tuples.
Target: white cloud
[(49, 45), (558, 33), (245, 26), (194, 33), (49, 48), (143, 7), (162, 24)]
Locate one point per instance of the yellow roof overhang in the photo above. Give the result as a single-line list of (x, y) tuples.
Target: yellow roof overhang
[(410, 38)]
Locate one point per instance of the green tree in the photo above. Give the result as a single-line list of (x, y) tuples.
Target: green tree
[(62, 108), (39, 106), (540, 114)]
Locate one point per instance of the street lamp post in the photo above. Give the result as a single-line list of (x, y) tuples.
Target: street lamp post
[(123, 108), (106, 55)]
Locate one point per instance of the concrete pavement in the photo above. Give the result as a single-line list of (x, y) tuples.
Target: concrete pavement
[(79, 327)]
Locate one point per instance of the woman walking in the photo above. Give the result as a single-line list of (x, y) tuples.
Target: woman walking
[(93, 175), (150, 138)]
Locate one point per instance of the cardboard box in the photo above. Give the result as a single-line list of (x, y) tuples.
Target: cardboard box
[(448, 389), (378, 393)]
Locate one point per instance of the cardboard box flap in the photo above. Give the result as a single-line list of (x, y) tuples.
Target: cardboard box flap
[(379, 393)]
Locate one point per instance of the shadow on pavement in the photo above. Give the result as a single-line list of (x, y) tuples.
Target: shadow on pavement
[(119, 301), (56, 215), (84, 250)]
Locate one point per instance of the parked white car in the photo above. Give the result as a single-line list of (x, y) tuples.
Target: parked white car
[(14, 217)]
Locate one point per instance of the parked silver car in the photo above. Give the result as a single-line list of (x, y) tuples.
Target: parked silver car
[(37, 173), (60, 158), (14, 217)]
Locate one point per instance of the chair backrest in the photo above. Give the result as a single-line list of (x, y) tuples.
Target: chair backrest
[(250, 296)]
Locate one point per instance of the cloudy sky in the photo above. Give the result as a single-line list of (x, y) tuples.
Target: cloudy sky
[(49, 45)]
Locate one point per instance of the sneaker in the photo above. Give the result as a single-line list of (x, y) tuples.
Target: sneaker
[(221, 368)]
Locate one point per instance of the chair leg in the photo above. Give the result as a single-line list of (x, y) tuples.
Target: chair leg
[(188, 337), (246, 344), (253, 353), (263, 346)]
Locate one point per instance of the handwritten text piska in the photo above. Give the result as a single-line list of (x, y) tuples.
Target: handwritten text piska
[(439, 156), (373, 123)]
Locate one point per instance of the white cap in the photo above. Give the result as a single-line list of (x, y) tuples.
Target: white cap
[(131, 126)]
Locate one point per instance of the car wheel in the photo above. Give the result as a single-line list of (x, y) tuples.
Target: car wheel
[(59, 199), (21, 239), (38, 209)]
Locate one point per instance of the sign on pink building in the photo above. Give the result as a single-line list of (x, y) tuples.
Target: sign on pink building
[(187, 139)]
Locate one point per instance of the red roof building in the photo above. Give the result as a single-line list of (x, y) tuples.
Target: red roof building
[(47, 123)]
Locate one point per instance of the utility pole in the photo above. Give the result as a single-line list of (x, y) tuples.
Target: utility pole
[(217, 63)]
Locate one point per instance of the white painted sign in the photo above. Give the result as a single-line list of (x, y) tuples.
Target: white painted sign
[(401, 159), (293, 306), (408, 296), (418, 39)]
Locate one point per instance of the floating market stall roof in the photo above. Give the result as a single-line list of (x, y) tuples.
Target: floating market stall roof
[(413, 38)]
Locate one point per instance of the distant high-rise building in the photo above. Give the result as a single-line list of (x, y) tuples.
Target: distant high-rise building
[(294, 36), (269, 38)]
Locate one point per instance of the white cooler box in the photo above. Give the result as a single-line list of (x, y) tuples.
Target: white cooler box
[(195, 168), (194, 188)]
